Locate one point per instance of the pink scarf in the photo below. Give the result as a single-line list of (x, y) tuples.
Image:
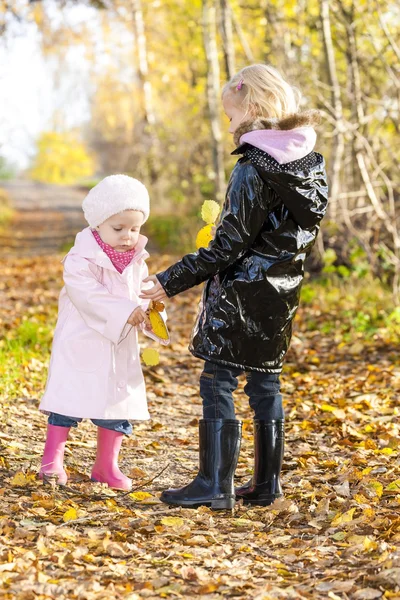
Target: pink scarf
[(120, 260)]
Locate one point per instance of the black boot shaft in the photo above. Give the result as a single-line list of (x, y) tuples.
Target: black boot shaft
[(265, 486), (269, 442), (219, 446)]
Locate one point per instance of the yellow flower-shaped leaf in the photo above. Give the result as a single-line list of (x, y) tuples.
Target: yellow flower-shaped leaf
[(204, 237), (210, 211), (150, 357)]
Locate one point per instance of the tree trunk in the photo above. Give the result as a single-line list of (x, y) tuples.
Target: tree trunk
[(213, 94), (151, 145), (143, 64), (227, 38), (242, 38), (338, 138)]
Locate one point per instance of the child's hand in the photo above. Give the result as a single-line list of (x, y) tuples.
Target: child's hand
[(154, 293), (139, 316)]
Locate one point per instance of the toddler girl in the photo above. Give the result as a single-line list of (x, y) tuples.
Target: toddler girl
[(253, 269), (95, 369)]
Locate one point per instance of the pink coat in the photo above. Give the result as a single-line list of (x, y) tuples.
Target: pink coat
[(95, 370)]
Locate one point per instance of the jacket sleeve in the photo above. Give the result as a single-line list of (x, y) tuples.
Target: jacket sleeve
[(105, 313), (246, 208)]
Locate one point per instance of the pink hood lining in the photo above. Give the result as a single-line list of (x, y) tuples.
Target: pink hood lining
[(283, 145)]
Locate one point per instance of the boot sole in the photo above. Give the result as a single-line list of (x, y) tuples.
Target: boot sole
[(258, 501), (215, 504), (120, 489), (51, 479)]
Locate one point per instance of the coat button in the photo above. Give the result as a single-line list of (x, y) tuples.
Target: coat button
[(121, 383)]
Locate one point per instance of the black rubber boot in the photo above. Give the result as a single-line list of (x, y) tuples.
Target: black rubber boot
[(219, 446), (265, 486)]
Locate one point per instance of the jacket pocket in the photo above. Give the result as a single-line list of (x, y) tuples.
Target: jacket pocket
[(85, 355)]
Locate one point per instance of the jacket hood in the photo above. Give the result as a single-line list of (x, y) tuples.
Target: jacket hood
[(307, 118), (87, 247), (284, 146), (299, 182)]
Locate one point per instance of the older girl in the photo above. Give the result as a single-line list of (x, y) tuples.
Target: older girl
[(253, 269)]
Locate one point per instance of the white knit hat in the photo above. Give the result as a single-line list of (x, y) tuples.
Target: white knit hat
[(113, 195)]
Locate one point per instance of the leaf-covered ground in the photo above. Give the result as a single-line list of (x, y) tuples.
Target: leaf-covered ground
[(336, 534)]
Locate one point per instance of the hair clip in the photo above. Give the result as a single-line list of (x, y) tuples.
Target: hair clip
[(239, 85)]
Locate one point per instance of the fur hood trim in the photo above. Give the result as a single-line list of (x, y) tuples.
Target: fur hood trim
[(307, 118)]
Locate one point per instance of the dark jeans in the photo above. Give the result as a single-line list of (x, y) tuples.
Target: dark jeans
[(62, 421), (217, 383)]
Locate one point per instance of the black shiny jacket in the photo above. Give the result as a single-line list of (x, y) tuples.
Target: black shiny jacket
[(254, 267)]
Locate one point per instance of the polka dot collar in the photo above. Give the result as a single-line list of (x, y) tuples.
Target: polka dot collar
[(120, 260)]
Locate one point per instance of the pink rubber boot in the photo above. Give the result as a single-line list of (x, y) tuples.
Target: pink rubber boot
[(105, 469), (53, 455)]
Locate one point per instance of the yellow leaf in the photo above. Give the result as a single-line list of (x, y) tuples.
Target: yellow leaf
[(338, 412), (369, 543), (366, 471), (20, 479), (241, 522), (345, 517), (157, 324), (360, 499), (285, 573), (206, 589), (369, 514), (210, 211), (70, 515), (204, 237), (327, 407), (394, 486), (172, 521), (376, 486), (139, 496), (150, 357)]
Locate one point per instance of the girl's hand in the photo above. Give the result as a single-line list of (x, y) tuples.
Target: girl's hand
[(139, 316), (156, 292)]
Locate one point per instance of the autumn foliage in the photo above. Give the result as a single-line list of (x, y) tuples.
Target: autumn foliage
[(334, 535)]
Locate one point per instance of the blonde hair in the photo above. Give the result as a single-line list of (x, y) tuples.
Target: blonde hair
[(263, 92)]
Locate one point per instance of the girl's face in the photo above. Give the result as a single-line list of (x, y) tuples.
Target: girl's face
[(235, 114), (121, 231)]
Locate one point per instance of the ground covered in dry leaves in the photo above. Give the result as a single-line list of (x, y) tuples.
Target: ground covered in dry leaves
[(335, 535)]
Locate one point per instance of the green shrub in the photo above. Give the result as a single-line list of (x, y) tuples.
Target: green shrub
[(172, 233)]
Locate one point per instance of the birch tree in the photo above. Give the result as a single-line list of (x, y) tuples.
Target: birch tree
[(213, 93)]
